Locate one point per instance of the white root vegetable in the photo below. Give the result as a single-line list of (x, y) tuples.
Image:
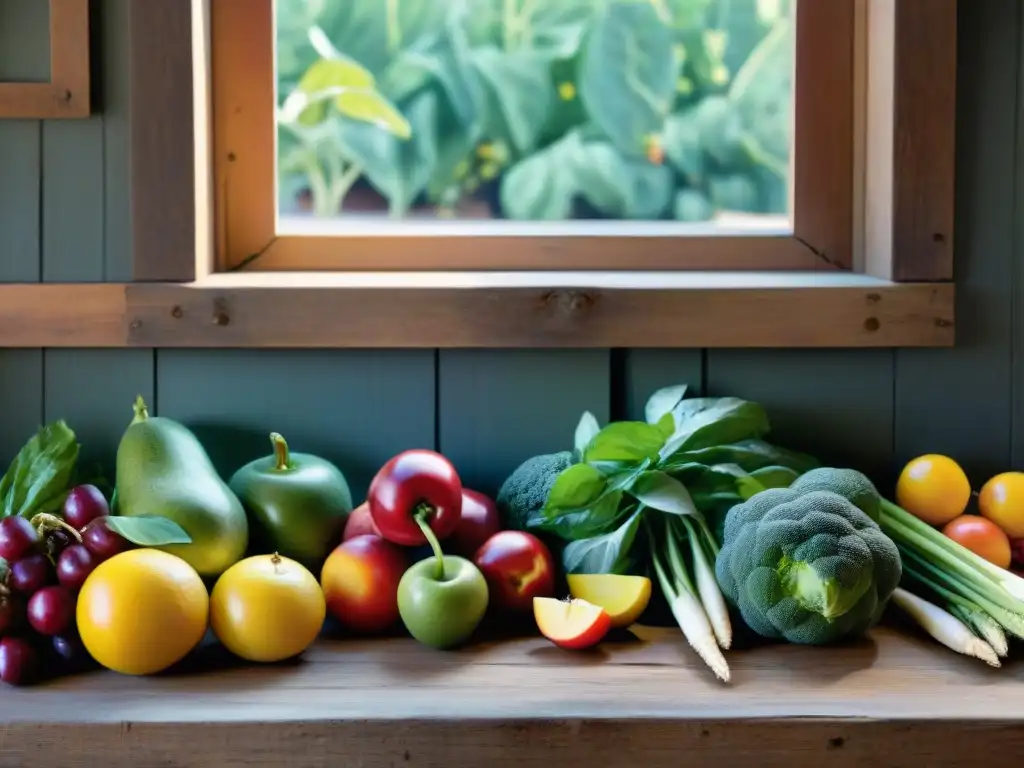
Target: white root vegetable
[(692, 620), (708, 589), (697, 629), (945, 627)]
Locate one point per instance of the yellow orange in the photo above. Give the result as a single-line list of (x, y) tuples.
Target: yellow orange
[(1001, 500), (934, 488), (142, 611), (267, 608)]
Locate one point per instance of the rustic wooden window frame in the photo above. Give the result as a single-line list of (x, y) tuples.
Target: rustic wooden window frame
[(897, 292), (67, 94), (244, 130)]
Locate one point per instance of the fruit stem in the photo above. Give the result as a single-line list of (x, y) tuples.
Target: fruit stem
[(421, 520), (45, 521), (141, 411), (282, 460)]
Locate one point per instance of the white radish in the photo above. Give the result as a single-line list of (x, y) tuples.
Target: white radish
[(697, 629), (945, 627), (710, 593)]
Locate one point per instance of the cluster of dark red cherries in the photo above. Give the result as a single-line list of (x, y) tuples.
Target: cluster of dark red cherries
[(48, 558)]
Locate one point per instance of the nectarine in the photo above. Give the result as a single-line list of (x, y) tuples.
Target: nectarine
[(360, 582)]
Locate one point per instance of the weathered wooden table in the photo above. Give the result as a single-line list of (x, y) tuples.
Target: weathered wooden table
[(896, 699)]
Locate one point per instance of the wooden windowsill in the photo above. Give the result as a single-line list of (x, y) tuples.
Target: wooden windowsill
[(479, 309), (895, 697)]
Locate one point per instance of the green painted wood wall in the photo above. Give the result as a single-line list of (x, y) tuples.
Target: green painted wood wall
[(65, 216)]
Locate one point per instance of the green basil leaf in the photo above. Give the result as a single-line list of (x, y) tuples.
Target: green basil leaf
[(707, 422), (148, 531), (625, 441), (663, 402), (40, 474), (748, 454), (775, 476), (572, 524), (664, 493), (575, 487), (609, 553), (586, 431)]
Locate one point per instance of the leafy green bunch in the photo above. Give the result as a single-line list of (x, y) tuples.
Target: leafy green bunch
[(641, 109), (691, 457)]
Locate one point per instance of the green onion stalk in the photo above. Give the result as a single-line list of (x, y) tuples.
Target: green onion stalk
[(987, 599)]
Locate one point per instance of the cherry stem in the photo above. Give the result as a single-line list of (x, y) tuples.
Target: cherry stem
[(44, 522), (421, 520), (281, 458)]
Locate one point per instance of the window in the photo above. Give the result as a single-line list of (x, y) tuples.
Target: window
[(523, 173), (522, 134)]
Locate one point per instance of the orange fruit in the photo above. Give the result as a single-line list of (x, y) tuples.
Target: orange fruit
[(1001, 500), (267, 608), (980, 535), (934, 488), (142, 611)]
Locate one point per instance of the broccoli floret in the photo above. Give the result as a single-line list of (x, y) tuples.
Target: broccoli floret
[(806, 566), (848, 483), (523, 494)]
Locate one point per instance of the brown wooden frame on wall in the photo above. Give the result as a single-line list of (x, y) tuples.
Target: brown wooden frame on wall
[(67, 94), (895, 289)]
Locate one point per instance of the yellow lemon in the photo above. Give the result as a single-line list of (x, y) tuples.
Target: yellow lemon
[(934, 488), (267, 608), (142, 611)]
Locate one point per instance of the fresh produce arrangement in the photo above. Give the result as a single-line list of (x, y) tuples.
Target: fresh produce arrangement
[(691, 511)]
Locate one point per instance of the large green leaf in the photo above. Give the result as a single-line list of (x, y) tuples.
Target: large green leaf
[(628, 81), (519, 91), (703, 422), (545, 185), (397, 168), (324, 80), (610, 553)]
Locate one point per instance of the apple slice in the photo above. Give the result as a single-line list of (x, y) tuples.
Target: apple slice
[(572, 624), (623, 597)]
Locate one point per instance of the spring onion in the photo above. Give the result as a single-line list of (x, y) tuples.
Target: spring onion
[(944, 627)]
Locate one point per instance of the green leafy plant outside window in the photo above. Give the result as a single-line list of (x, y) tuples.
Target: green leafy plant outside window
[(535, 110)]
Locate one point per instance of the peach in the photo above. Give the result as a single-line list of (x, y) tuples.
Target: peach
[(360, 582), (574, 624)]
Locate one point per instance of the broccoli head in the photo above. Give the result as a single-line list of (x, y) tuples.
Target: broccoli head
[(523, 494), (806, 566), (848, 483)]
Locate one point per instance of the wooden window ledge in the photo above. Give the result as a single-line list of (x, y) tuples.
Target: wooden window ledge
[(483, 309), (895, 697)]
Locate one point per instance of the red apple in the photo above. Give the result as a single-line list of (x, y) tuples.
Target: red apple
[(574, 624), (359, 523), (518, 567), (360, 582), (479, 521)]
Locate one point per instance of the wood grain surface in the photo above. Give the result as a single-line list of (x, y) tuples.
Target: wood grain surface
[(472, 314), (894, 698)]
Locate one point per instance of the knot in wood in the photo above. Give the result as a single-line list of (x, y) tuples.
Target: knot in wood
[(567, 303)]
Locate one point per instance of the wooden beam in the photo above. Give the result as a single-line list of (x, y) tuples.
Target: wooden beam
[(163, 167), (465, 311), (68, 93), (909, 62)]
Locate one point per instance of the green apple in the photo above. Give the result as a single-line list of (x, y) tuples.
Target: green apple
[(442, 611)]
